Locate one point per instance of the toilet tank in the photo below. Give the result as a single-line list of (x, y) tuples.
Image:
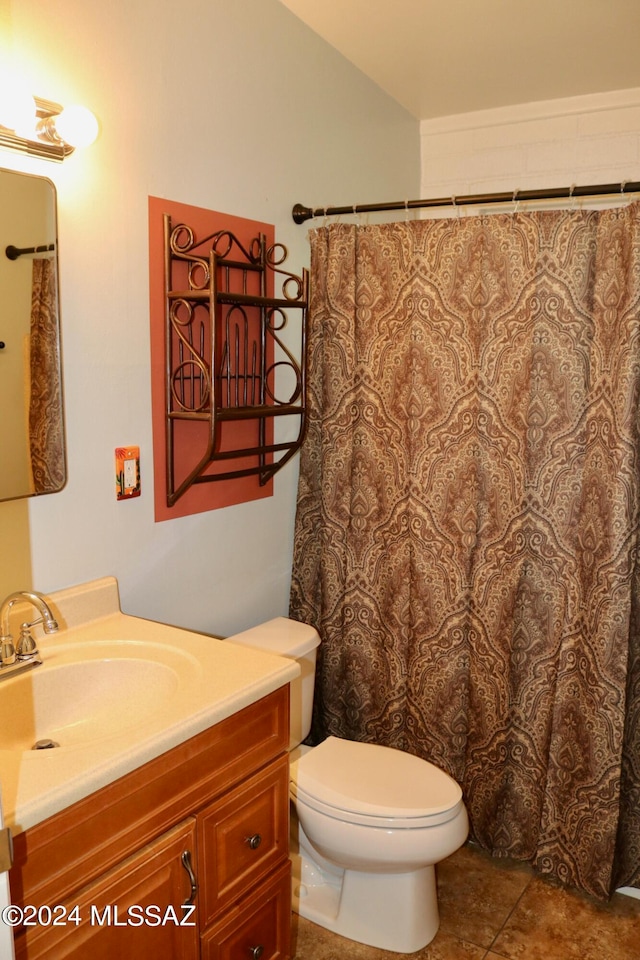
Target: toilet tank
[(298, 641)]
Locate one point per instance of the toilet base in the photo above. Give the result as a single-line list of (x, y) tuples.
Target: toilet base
[(397, 912)]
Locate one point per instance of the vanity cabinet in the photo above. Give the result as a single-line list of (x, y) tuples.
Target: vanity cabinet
[(221, 799)]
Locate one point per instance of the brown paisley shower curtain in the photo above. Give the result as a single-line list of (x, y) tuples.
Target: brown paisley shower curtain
[(467, 523)]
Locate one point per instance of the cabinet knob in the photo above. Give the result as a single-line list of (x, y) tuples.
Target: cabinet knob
[(254, 842), (256, 952)]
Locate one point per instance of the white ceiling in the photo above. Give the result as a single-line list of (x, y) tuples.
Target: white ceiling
[(441, 57)]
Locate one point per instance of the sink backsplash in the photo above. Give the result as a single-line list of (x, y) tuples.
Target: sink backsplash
[(72, 606)]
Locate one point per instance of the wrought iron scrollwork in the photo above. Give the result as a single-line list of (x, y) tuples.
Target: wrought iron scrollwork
[(226, 355)]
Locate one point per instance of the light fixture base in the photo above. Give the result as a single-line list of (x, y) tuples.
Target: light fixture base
[(47, 146)]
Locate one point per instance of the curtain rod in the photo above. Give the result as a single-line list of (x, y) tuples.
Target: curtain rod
[(301, 213), (14, 252)]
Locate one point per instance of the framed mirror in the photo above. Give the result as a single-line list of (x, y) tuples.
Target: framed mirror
[(32, 443)]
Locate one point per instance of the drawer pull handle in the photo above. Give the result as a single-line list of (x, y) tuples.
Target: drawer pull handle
[(254, 842), (256, 952), (186, 863)]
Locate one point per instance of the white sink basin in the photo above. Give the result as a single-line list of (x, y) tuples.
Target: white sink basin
[(114, 687)]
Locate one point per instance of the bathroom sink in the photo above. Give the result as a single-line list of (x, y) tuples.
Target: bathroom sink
[(82, 694), (115, 692)]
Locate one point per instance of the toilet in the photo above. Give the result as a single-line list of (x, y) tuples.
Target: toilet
[(369, 822)]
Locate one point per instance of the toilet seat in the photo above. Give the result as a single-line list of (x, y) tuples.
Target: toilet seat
[(373, 785)]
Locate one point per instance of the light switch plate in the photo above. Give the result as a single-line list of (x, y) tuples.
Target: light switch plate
[(127, 472)]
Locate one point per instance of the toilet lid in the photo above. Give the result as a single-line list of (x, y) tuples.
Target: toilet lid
[(365, 782)]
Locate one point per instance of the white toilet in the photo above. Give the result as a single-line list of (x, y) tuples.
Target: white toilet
[(371, 821)]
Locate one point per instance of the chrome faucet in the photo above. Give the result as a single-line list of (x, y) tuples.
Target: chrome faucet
[(26, 650)]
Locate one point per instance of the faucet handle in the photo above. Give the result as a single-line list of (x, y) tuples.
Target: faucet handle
[(27, 647), (7, 650)]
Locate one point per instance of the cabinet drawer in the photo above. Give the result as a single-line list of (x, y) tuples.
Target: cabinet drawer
[(241, 837), (259, 928)]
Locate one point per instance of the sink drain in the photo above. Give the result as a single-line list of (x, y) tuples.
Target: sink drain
[(45, 744)]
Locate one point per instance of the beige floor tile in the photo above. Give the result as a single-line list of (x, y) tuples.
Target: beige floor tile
[(314, 943), (553, 923), (476, 893)]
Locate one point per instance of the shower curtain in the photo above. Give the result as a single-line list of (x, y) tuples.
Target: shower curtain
[(467, 520)]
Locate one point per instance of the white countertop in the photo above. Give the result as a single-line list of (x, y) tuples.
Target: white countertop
[(215, 679)]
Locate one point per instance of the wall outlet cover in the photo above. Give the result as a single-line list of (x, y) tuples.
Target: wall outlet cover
[(127, 472)]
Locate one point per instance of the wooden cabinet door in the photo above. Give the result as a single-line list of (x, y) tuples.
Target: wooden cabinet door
[(134, 911)]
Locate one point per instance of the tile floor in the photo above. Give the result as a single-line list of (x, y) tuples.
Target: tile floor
[(492, 910)]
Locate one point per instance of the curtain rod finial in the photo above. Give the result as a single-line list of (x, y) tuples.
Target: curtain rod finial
[(301, 213)]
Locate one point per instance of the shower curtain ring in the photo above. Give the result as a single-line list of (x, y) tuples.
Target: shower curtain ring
[(515, 200), (574, 200)]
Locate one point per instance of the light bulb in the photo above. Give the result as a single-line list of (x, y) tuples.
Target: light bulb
[(77, 126)]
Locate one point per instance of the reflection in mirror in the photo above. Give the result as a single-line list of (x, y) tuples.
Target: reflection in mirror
[(32, 454)]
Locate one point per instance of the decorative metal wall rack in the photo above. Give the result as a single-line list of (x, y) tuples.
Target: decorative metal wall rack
[(223, 348)]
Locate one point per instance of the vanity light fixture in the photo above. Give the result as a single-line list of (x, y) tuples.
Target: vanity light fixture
[(54, 132)]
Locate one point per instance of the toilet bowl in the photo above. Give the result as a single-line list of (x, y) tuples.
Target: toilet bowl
[(369, 822)]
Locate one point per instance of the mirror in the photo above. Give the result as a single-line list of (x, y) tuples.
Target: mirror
[(32, 450)]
